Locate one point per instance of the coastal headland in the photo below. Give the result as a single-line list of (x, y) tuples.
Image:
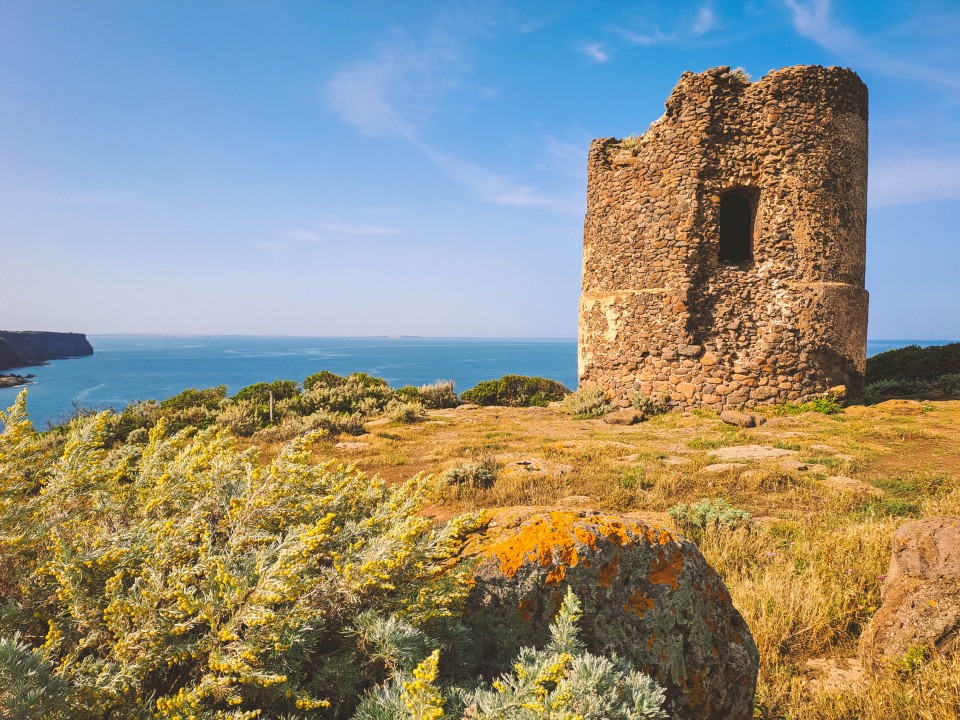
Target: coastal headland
[(31, 348)]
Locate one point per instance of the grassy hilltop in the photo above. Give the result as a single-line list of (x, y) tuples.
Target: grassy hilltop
[(167, 574)]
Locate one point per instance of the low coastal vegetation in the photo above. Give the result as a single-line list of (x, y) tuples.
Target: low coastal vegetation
[(929, 372), (284, 409), (185, 578), (192, 558)]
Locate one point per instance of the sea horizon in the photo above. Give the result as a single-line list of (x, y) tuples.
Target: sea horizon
[(131, 367)]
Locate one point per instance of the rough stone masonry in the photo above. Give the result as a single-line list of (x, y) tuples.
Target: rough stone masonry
[(724, 249)]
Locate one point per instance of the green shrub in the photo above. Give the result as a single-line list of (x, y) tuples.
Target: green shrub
[(435, 396), (914, 363), (438, 395), (913, 371), (405, 412), (136, 416), (481, 474), (828, 405), (649, 407), (209, 398), (408, 393), (242, 418), (948, 384), (368, 382), (186, 580), (589, 401), (515, 391), (324, 379), (356, 394), (260, 392), (706, 516)]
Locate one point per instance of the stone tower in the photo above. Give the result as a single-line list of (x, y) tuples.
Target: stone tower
[(724, 249)]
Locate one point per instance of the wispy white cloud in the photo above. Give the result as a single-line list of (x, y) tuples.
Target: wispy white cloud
[(706, 20), (684, 29), (652, 37), (324, 232), (391, 94), (596, 52), (408, 83), (494, 187), (814, 19), (916, 177)]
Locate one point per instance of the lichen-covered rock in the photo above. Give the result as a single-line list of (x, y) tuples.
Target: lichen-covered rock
[(920, 595), (647, 594)]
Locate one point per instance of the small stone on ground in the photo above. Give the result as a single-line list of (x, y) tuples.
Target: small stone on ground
[(752, 452), (352, 446), (851, 485)]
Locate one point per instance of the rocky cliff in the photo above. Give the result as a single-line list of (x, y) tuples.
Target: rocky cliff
[(23, 349)]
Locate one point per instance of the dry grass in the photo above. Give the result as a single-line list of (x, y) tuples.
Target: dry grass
[(807, 575)]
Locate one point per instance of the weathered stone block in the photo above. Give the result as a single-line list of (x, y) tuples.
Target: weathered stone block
[(920, 595)]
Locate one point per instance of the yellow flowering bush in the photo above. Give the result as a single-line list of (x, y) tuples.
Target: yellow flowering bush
[(183, 579)]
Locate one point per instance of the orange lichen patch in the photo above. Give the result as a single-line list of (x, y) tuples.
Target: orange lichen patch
[(696, 691), (666, 571), (639, 603), (556, 574), (584, 536), (558, 540), (526, 608), (651, 641), (609, 572)]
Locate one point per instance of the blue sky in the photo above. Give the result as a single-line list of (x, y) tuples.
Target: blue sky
[(363, 168)]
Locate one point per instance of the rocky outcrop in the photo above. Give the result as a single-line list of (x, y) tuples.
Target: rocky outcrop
[(25, 349), (920, 595), (14, 380), (742, 419), (647, 595)]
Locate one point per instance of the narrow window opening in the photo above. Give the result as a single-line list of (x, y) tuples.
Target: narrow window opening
[(736, 227)]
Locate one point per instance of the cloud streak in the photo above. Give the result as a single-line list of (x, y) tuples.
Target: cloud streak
[(813, 19), (683, 31), (595, 52), (493, 187), (399, 91), (705, 22)]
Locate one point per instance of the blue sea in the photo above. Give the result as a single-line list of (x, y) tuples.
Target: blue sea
[(126, 368)]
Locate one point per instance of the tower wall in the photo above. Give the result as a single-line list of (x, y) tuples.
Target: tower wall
[(661, 313)]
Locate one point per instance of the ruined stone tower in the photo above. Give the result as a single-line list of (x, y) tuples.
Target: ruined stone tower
[(724, 249)]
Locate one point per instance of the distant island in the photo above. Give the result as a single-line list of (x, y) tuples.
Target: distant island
[(31, 348)]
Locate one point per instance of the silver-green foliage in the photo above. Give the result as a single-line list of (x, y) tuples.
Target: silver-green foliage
[(29, 689), (561, 680), (587, 402), (708, 515)]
